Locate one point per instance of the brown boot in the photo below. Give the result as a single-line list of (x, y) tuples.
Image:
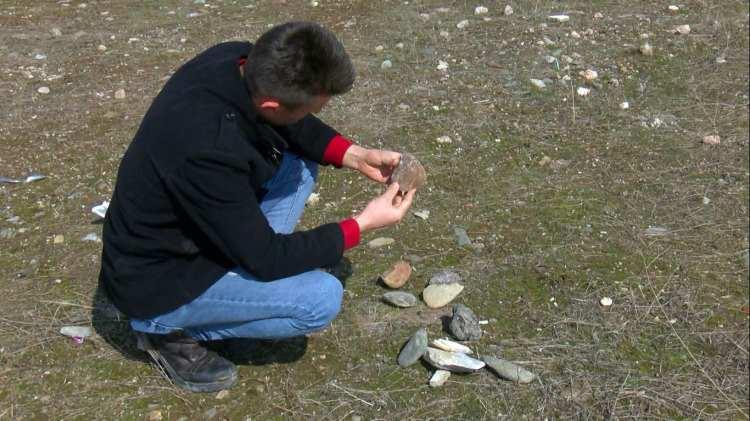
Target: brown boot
[(187, 363)]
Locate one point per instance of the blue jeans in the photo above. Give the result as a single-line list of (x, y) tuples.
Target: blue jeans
[(239, 305)]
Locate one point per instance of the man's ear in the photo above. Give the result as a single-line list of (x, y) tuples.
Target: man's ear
[(269, 103)]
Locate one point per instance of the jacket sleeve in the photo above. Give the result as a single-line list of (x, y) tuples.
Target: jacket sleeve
[(310, 138), (213, 193)]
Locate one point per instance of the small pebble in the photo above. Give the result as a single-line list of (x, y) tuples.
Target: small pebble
[(387, 64), (222, 394), (442, 65), (379, 48), (575, 34), (120, 94), (400, 45), (582, 91), (102, 47), (624, 105), (444, 139), (682, 29), (590, 74), (463, 24), (538, 83), (43, 90), (674, 8), (423, 214), (439, 378), (712, 140), (59, 239), (560, 18), (508, 10), (400, 299), (646, 49), (605, 301), (480, 10), (706, 200), (380, 242)]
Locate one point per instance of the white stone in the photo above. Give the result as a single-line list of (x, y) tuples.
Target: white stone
[(560, 18), (444, 139), (674, 8), (605, 301), (713, 139), (379, 48), (450, 346), (43, 90), (706, 200), (624, 105), (439, 378), (480, 10), (646, 49), (423, 214), (682, 29), (463, 24), (444, 34), (721, 60), (452, 361), (538, 83), (508, 10), (387, 64), (76, 331), (91, 237), (120, 94), (598, 15), (436, 296), (442, 65), (575, 34), (400, 45), (313, 199), (102, 47), (589, 74), (582, 91), (40, 56)]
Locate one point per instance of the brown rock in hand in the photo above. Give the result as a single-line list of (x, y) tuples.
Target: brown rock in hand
[(409, 174), (398, 275)]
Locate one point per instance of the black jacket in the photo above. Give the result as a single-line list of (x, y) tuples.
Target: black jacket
[(185, 206)]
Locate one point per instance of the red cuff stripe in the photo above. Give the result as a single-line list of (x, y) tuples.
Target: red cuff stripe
[(350, 229), (337, 147)]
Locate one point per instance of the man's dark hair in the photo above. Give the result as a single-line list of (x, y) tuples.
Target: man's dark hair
[(297, 61)]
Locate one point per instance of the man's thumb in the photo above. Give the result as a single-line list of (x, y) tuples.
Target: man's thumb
[(392, 190)]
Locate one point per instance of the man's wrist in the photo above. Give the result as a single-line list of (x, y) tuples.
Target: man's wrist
[(353, 156)]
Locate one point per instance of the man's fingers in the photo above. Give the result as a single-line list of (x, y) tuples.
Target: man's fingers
[(407, 199), (391, 191)]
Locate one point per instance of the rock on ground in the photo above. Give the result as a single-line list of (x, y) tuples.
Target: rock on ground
[(452, 361), (508, 370), (400, 299), (464, 324), (414, 348), (439, 378), (398, 275), (436, 296), (450, 346), (445, 277)]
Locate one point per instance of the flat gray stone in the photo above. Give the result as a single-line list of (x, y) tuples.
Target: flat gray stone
[(436, 296), (400, 299), (508, 370), (461, 237), (414, 348), (464, 325)]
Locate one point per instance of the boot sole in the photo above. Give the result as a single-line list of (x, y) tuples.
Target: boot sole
[(171, 375)]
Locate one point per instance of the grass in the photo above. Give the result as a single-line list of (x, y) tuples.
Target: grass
[(556, 238)]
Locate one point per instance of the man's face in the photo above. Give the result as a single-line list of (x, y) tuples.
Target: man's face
[(282, 116)]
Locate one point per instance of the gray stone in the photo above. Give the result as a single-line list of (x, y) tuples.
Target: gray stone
[(445, 277), (400, 299), (452, 361), (461, 236), (508, 370), (380, 242), (464, 324), (7, 233), (439, 378), (414, 348)]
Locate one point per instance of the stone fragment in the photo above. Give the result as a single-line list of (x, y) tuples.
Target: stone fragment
[(682, 29), (712, 140), (439, 378), (508, 10), (386, 64), (59, 239), (673, 8), (400, 299), (589, 74), (605, 301), (222, 394), (76, 331), (624, 105), (508, 370), (444, 139), (480, 10), (450, 346), (436, 296), (120, 94), (409, 174), (445, 276), (646, 49), (43, 90), (463, 24), (414, 348), (656, 231), (452, 361), (313, 199), (464, 324), (560, 18), (398, 275), (380, 242), (462, 237), (423, 214), (538, 83), (582, 91)]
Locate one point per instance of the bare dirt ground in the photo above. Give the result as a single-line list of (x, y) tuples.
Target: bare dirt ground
[(557, 192)]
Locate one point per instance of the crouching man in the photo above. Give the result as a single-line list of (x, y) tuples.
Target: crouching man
[(199, 241)]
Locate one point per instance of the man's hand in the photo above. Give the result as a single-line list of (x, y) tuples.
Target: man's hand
[(377, 165), (387, 209)]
